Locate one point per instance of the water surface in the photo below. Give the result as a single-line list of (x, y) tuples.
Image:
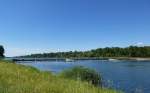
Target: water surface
[(129, 76)]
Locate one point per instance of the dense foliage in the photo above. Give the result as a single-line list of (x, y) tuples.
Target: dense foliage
[(1, 51), (132, 51), (83, 74)]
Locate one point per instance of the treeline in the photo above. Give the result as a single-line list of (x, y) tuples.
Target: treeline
[(1, 51), (132, 51)]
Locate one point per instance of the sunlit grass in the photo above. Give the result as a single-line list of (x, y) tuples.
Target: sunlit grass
[(22, 79)]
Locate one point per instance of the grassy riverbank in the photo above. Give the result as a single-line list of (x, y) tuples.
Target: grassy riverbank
[(21, 79)]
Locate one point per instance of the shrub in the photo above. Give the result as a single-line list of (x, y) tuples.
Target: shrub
[(83, 74)]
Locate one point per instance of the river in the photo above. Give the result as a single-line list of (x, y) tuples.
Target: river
[(128, 76)]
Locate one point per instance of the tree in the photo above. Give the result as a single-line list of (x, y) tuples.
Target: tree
[(2, 51), (131, 51)]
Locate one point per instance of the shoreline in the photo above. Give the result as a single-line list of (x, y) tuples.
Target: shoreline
[(91, 58), (130, 58)]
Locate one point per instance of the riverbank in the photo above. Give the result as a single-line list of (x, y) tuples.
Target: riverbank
[(22, 79), (75, 59), (129, 58)]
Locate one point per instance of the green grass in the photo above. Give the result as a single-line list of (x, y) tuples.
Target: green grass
[(22, 79), (84, 74)]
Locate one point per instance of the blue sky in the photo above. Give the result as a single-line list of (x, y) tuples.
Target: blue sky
[(34, 26)]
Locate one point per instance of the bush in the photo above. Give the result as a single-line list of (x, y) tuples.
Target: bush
[(83, 74)]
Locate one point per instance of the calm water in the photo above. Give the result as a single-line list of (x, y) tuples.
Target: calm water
[(131, 77)]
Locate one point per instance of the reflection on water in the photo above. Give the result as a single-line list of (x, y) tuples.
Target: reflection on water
[(131, 77)]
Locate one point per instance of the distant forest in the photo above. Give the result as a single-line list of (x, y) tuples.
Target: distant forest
[(131, 51)]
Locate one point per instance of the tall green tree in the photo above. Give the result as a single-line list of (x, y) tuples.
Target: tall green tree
[(2, 51)]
